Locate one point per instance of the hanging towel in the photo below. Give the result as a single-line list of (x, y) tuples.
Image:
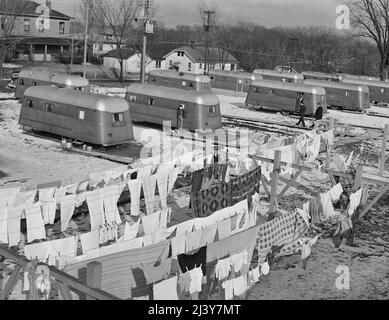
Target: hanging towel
[(239, 260), (223, 268), (67, 205), (134, 186), (173, 175), (355, 201), (35, 227), (145, 171), (185, 227), (14, 217), (224, 229), (25, 198), (89, 241), (147, 240), (166, 290), (240, 285), (131, 231), (178, 245), (155, 273), (328, 209), (193, 240), (151, 223), (62, 247), (183, 285), (228, 287), (196, 276), (335, 192), (38, 251), (162, 182), (49, 209), (163, 234), (3, 222), (111, 196), (60, 193), (148, 185), (208, 235), (164, 218), (95, 204)]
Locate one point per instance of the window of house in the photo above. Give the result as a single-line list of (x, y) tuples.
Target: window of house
[(34, 83), (189, 66), (170, 63), (180, 53), (212, 77), (21, 82), (205, 85), (30, 104), (247, 81), (382, 90), (223, 67), (132, 98), (165, 80), (81, 115), (257, 90), (150, 102), (118, 117), (158, 64), (79, 88), (41, 25), (183, 83), (26, 25), (190, 84), (61, 27), (232, 67), (212, 109), (347, 93), (200, 66), (49, 107), (101, 46)]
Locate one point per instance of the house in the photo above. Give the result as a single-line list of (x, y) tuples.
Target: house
[(131, 63), (38, 38), (103, 43), (195, 60)]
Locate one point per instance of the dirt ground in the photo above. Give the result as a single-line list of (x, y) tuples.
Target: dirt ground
[(27, 160)]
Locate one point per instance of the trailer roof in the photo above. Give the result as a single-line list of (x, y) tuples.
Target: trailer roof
[(338, 85), (173, 93), (369, 83), (289, 75), (65, 79), (96, 102), (245, 75), (271, 84), (322, 74), (180, 75)]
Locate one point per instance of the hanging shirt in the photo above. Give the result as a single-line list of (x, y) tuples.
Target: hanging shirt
[(35, 227), (224, 229), (328, 209), (162, 182), (14, 217), (178, 245), (62, 247), (145, 171), (335, 192), (163, 234), (355, 201), (95, 204), (328, 138), (110, 197), (208, 235), (185, 227), (67, 205), (89, 241), (49, 204), (173, 175), (148, 185), (183, 285), (228, 287), (151, 223), (39, 251), (154, 273), (164, 218), (148, 240), (193, 240), (196, 276), (25, 198), (239, 260), (131, 231), (240, 285), (166, 290), (134, 186), (223, 268)]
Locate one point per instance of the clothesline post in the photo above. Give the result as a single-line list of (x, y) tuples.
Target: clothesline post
[(383, 155), (274, 185), (94, 274), (328, 158)]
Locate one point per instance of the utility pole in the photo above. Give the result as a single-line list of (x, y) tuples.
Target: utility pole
[(147, 28), (86, 36), (207, 27)]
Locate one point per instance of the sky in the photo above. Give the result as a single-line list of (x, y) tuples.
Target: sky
[(269, 13)]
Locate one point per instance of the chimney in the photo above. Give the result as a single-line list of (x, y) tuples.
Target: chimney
[(48, 4)]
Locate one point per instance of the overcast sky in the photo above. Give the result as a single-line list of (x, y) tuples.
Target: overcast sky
[(268, 13)]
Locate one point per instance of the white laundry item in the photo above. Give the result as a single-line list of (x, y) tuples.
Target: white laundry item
[(134, 244), (163, 234), (82, 186), (304, 214), (111, 196), (328, 138), (201, 223), (306, 246), (166, 290), (148, 185), (313, 149), (26, 198), (9, 194), (131, 231), (144, 171), (72, 188), (328, 209), (335, 192), (147, 240), (340, 163), (265, 268), (60, 193), (80, 199), (349, 159), (134, 186), (173, 175), (228, 287), (94, 200), (46, 194), (49, 209), (163, 220), (35, 227), (67, 205), (89, 241), (62, 247), (223, 214), (178, 245), (208, 235), (14, 217), (151, 223), (196, 276), (256, 274), (3, 222), (193, 240), (355, 201), (239, 260), (185, 227), (240, 285), (38, 251), (162, 182), (223, 268), (224, 229)]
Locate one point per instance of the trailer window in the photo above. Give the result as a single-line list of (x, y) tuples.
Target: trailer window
[(382, 90), (30, 104), (49, 107), (205, 85), (21, 82), (190, 84), (183, 83), (79, 88), (132, 98), (34, 84), (212, 77), (347, 93), (118, 117), (212, 109), (272, 92), (165, 80), (257, 90), (153, 79), (246, 81), (150, 102), (81, 115)]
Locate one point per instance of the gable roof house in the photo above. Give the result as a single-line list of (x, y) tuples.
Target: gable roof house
[(37, 38), (194, 60)]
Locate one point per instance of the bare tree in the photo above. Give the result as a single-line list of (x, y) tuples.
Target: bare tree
[(9, 11), (370, 19), (116, 18)]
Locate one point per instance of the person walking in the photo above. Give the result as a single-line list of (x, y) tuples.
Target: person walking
[(318, 115), (301, 109), (180, 117)]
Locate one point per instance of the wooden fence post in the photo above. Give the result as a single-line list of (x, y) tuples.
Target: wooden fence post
[(94, 275), (383, 151), (274, 185)]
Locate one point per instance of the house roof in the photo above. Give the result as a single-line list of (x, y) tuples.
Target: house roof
[(125, 53), (197, 54), (46, 40), (28, 9)]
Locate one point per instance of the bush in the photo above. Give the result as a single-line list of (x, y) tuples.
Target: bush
[(96, 60), (66, 59)]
